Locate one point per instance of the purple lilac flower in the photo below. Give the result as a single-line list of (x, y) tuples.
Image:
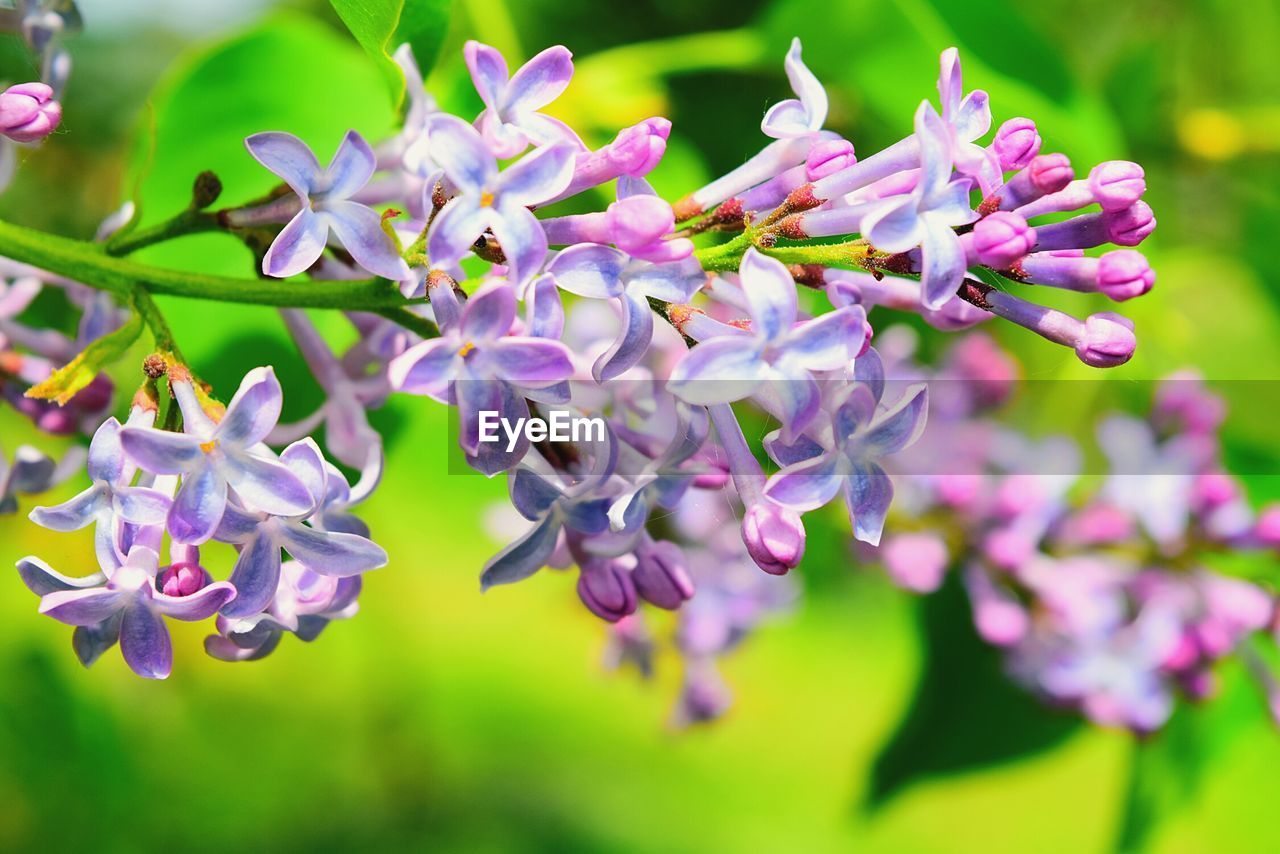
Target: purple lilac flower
[(110, 498), (216, 458), (511, 121), (32, 472), (776, 352), (128, 593), (489, 199), (804, 115), (325, 195)]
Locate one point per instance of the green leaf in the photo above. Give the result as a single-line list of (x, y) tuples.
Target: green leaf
[(966, 714), (64, 383), (381, 26)]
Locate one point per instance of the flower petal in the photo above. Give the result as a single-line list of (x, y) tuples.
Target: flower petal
[(253, 411), (590, 270), (893, 225), (41, 579), (266, 484), (523, 242), (359, 230), (973, 118), (539, 81), (943, 265), (455, 230), (90, 642), (771, 294), (141, 505), (523, 557), (488, 71), (544, 308), (106, 456), (198, 507), (675, 282), (807, 87), (82, 607), (718, 370), (329, 553), (535, 362), (935, 149), (540, 175), (201, 605), (901, 425), (868, 492), (159, 451), (425, 368), (305, 460), (805, 485), (351, 168), (298, 245), (827, 342), (461, 152), (632, 342), (73, 514), (288, 157), (145, 644), (786, 120)]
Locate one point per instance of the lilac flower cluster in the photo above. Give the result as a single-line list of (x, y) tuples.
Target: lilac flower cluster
[(627, 316), (1102, 593), (215, 480)]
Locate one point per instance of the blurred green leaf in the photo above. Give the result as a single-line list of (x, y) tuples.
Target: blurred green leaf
[(381, 26), (1170, 767), (965, 714), (64, 383)]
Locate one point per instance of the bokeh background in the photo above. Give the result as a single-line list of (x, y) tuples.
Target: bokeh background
[(441, 719)]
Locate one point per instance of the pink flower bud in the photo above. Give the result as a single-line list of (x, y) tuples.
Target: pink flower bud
[(1000, 239), (660, 576), (1124, 274), (1117, 184), (828, 157), (1213, 489), (1267, 528), (637, 222), (28, 112), (181, 579), (638, 149), (1107, 340), (1016, 143), (607, 590), (774, 536), (1051, 173), (916, 562), (1130, 226)]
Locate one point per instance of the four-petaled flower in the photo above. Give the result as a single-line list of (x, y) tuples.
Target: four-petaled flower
[(511, 121), (325, 194)]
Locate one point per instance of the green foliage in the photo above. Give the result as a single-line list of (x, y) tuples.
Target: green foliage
[(381, 26), (64, 383)]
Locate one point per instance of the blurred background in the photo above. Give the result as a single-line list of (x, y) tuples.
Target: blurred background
[(440, 718)]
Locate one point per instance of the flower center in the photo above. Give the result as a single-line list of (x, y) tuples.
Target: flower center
[(467, 349), (208, 446), (486, 199)]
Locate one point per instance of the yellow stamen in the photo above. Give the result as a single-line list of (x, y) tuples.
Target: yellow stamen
[(466, 349), (486, 199), (208, 447)]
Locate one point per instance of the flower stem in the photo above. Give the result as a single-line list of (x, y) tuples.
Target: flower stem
[(188, 222)]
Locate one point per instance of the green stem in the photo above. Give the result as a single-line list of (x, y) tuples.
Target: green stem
[(188, 222), (88, 264), (146, 306), (414, 323), (850, 255)]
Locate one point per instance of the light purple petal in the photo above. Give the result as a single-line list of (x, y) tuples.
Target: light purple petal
[(461, 152), (475, 395), (534, 362), (488, 71), (298, 245), (42, 579), (145, 644), (359, 230), (893, 225), (255, 577), (973, 118), (489, 313), (238, 525), (632, 342), (900, 425), (523, 242), (805, 485), (950, 81), (540, 80), (351, 167), (548, 130), (90, 642), (544, 308), (868, 493), (807, 87), (935, 149), (198, 507), (943, 265), (426, 367), (159, 451), (950, 204), (786, 120), (771, 294), (82, 607), (798, 400), (253, 411), (72, 514), (676, 282), (719, 370), (306, 461), (455, 230), (523, 557), (540, 175), (333, 554), (266, 485), (288, 157), (827, 342), (141, 505), (853, 409), (532, 494), (201, 605), (590, 270), (106, 456)]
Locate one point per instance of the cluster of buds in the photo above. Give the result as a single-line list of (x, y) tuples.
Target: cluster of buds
[(1101, 592)]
